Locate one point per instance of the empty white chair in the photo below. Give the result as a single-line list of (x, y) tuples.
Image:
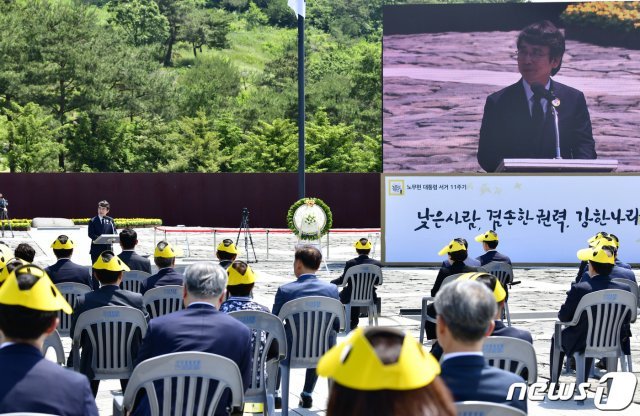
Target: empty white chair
[(132, 280), (54, 341), (502, 352), (70, 291)]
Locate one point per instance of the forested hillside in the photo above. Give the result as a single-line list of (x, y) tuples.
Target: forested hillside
[(187, 86)]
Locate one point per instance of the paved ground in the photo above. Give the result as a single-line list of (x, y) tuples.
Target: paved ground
[(435, 86), (542, 289)]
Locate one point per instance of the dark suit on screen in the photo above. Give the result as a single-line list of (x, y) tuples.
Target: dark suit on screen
[(135, 261), (507, 129), (469, 377), (96, 228), (493, 255), (31, 383), (64, 270), (199, 327), (164, 277)]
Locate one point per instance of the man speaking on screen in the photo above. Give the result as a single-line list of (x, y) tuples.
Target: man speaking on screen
[(518, 120)]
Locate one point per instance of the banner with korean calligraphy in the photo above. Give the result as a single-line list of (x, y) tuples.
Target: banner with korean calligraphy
[(540, 219)]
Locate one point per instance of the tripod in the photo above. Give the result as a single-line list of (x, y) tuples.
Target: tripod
[(4, 217), (244, 228)]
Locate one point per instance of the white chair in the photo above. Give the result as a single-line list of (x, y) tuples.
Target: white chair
[(112, 331), (132, 280), (606, 311), (54, 341), (473, 408), (310, 321), (266, 329), (162, 300), (71, 291), (188, 383), (633, 287), (362, 278), (504, 273), (424, 317), (505, 352)]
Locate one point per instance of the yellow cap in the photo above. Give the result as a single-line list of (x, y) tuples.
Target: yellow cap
[(62, 243), (164, 249), (5, 256), (228, 246), (594, 240), (113, 265), (42, 296), (452, 247), (487, 236), (4, 272), (498, 292), (235, 278), (597, 254), (354, 364), (363, 244)]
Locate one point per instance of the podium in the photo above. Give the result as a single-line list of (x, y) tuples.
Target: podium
[(558, 165), (107, 239)]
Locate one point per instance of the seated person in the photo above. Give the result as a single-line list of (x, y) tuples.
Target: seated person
[(363, 248), (239, 287), (199, 327), (108, 269), (489, 242), (457, 253), (226, 253), (617, 272), (128, 242), (601, 260), (469, 261), (619, 262), (165, 258), (29, 305), (25, 252), (64, 270), (593, 241), (466, 312), (381, 371)]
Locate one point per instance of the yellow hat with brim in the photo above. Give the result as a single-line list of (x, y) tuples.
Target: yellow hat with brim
[(227, 246), (597, 254), (605, 241), (363, 246), (59, 245), (355, 364), (5, 256), (165, 250), (235, 278), (594, 240), (498, 292), (487, 236), (453, 246), (4, 271), (113, 265), (42, 296)]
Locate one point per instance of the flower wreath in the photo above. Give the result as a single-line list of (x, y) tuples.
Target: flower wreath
[(309, 201)]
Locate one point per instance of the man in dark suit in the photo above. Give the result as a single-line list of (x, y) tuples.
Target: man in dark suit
[(29, 305), (469, 261), (307, 262), (519, 124), (489, 242), (64, 270), (128, 242), (108, 270), (226, 253), (200, 327), (620, 269), (363, 248), (165, 258), (98, 225), (601, 260), (466, 310)]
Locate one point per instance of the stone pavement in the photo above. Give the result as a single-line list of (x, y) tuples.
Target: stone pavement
[(542, 289), (435, 86)]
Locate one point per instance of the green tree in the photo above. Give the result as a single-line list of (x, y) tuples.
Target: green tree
[(269, 147), (205, 27), (199, 145), (140, 20)]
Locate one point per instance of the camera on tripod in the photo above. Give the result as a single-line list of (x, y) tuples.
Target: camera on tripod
[(246, 231)]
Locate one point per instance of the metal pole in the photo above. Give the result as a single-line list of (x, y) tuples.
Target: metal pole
[(301, 154)]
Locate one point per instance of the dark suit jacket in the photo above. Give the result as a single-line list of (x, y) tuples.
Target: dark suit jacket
[(507, 129), (96, 229), (444, 272), (164, 277), (108, 295), (493, 255), (471, 378), (305, 285), (30, 383), (622, 264), (470, 261), (135, 261), (345, 294), (616, 273), (501, 330), (199, 328), (574, 337), (64, 270)]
